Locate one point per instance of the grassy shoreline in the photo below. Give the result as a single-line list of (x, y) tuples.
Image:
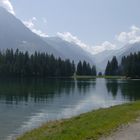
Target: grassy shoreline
[(88, 126)]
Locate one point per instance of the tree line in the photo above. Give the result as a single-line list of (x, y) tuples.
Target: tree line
[(17, 63), (85, 69), (129, 66), (112, 67)]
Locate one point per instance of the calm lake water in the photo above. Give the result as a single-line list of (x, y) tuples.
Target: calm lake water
[(26, 103)]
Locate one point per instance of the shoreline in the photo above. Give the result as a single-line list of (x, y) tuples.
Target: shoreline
[(91, 125)]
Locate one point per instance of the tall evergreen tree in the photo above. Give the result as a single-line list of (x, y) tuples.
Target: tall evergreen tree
[(85, 69), (112, 67), (129, 66), (108, 69), (17, 63), (79, 68), (93, 71)]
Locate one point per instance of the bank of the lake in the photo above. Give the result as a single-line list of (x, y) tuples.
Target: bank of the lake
[(93, 77), (88, 126)]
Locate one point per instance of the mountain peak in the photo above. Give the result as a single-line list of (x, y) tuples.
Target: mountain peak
[(14, 34)]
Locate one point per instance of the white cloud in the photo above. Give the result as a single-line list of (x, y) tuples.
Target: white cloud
[(102, 47), (7, 5), (31, 25), (132, 36), (121, 40), (92, 49), (67, 36)]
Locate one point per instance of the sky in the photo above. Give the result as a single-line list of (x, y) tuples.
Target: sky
[(96, 25)]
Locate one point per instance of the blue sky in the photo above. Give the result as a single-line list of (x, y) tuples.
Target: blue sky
[(92, 21)]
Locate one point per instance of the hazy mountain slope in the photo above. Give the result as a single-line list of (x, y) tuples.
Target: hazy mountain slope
[(14, 34), (130, 48), (102, 58), (69, 50)]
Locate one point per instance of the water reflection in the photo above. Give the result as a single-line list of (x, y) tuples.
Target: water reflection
[(27, 103), (84, 85), (130, 89), (112, 87), (36, 90)]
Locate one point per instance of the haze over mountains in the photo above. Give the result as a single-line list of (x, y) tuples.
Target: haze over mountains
[(14, 34), (102, 58), (69, 50)]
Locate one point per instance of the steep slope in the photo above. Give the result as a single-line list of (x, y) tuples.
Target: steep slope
[(130, 48), (102, 58), (14, 34), (69, 50)]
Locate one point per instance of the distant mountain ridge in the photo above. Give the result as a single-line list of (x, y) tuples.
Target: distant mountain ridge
[(102, 58), (69, 50), (14, 34)]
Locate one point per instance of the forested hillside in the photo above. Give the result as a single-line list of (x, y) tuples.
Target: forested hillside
[(129, 66), (18, 63)]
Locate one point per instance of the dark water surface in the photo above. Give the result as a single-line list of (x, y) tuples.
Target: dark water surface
[(26, 103)]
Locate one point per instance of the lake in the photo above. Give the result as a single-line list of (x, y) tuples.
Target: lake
[(27, 103)]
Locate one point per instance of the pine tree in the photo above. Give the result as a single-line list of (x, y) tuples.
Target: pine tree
[(17, 63), (79, 68), (93, 71), (108, 69), (112, 67)]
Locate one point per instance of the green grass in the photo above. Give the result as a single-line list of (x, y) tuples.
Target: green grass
[(88, 126), (110, 77)]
